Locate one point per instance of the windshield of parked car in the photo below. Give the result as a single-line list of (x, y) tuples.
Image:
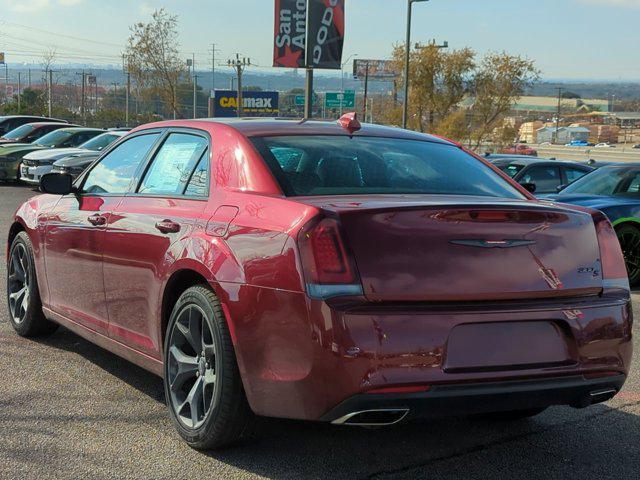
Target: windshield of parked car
[(510, 169), (607, 181), (20, 132), (53, 139), (98, 143), (342, 165)]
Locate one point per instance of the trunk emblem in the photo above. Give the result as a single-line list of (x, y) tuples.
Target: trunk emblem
[(493, 243)]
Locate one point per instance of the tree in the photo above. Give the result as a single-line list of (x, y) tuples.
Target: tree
[(499, 81), (454, 126), (439, 80), (31, 103), (153, 59)]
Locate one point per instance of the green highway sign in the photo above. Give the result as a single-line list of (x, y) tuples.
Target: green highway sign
[(332, 99), (299, 99)]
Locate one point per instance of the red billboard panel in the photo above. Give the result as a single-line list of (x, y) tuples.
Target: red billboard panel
[(290, 33), (324, 31)]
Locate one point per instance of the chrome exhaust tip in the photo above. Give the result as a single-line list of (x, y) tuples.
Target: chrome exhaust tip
[(602, 395), (381, 417)]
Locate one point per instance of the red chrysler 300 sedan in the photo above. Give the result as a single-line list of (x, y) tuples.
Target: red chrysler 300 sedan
[(350, 274)]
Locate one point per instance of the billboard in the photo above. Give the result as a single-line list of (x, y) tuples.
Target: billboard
[(290, 33), (324, 32), (253, 103), (378, 69)]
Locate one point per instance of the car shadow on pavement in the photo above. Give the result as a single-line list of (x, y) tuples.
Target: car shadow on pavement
[(136, 377), (598, 442)]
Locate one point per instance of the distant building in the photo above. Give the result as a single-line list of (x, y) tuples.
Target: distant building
[(565, 134), (550, 104), (528, 131)]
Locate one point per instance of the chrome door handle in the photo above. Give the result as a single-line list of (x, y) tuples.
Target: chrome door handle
[(168, 226), (97, 220)]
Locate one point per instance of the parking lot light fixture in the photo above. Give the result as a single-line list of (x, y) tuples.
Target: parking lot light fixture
[(407, 47)]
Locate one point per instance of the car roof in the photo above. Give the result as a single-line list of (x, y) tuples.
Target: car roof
[(259, 127), (82, 129), (524, 160), (35, 117), (46, 124), (115, 133)]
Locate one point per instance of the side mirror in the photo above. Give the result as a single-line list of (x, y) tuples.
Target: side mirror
[(56, 183), (559, 188), (529, 187)]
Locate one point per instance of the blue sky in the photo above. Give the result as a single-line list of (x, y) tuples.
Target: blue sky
[(577, 39)]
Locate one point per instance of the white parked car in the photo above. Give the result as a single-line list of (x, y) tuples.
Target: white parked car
[(36, 164), (604, 145)]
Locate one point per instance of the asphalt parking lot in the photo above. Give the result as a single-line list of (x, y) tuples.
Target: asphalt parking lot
[(69, 409)]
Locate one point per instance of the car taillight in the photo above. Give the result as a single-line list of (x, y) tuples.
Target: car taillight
[(614, 271), (329, 269)]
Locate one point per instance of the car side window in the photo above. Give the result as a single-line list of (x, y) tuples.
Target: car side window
[(573, 174), (114, 172), (634, 186), (173, 165), (547, 179), (199, 184)]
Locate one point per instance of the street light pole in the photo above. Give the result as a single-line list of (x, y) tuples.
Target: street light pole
[(342, 80), (407, 49)]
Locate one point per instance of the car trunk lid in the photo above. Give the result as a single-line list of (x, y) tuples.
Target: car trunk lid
[(441, 248)]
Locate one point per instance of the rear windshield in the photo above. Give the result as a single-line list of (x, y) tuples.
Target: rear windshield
[(342, 165)]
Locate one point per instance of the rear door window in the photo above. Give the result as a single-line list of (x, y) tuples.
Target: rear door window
[(546, 178), (173, 165), (198, 185)]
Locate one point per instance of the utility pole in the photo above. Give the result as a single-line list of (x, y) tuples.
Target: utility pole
[(195, 96), (558, 113), (29, 72), (407, 49), (239, 64), (125, 69), (126, 100), (308, 93), (366, 91), (19, 91), (6, 81), (49, 91), (83, 111)]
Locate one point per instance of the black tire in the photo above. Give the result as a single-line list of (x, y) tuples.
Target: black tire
[(629, 238), (23, 297), (228, 418), (513, 415)]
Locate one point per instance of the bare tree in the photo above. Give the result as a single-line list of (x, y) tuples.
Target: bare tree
[(153, 59), (48, 58)]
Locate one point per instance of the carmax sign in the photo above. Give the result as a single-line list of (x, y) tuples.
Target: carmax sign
[(254, 103)]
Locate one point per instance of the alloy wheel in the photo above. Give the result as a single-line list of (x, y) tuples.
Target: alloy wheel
[(191, 366), (630, 243), (18, 283)]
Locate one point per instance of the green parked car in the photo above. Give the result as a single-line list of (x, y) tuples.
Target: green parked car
[(11, 155)]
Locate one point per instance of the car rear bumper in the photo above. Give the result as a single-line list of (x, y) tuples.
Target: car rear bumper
[(483, 397), (304, 358)]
